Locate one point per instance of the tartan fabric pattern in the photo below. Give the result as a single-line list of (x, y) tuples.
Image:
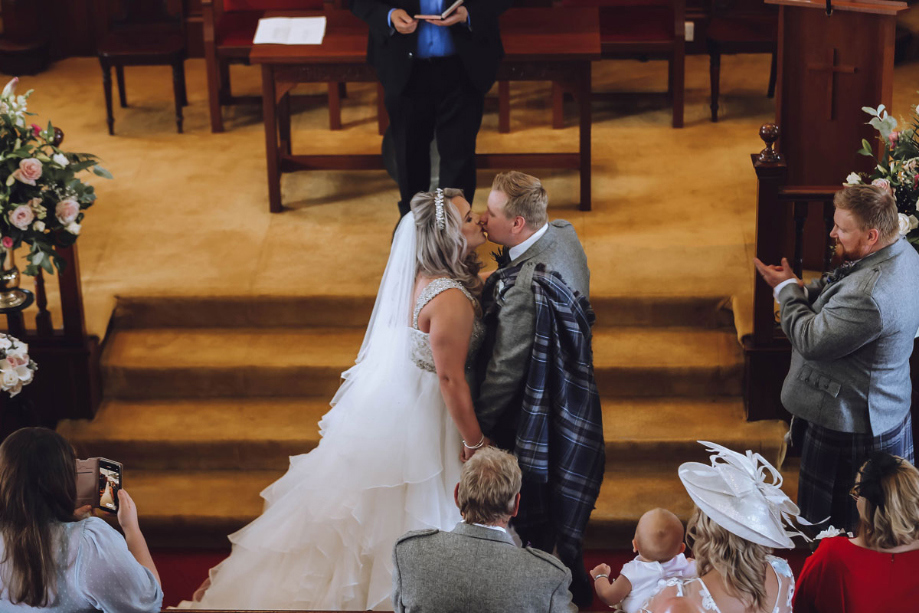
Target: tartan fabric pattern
[(829, 463), (559, 442)]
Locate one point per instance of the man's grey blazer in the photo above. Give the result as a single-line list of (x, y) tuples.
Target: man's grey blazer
[(851, 343), (509, 341), (475, 570)]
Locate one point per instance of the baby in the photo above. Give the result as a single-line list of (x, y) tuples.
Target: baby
[(659, 544)]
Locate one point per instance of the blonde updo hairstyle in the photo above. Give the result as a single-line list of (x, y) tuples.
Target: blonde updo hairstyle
[(440, 252), (889, 486), (741, 563)]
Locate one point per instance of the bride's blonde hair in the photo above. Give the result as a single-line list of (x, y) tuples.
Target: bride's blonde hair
[(741, 564), (439, 252)]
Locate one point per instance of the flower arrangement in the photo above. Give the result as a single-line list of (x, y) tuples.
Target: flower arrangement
[(16, 367), (897, 168), (42, 201)]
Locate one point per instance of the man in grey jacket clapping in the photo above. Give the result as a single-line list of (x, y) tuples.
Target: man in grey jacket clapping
[(851, 333)]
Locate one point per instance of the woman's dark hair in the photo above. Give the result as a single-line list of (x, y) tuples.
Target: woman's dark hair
[(37, 490), (879, 466)]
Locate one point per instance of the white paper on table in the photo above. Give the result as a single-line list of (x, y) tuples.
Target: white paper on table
[(290, 31)]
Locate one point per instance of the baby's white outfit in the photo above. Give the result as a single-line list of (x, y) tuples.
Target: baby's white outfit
[(648, 577)]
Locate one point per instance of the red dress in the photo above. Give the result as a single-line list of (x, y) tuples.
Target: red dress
[(844, 578)]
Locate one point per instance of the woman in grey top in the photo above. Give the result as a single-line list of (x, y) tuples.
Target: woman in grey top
[(57, 559)]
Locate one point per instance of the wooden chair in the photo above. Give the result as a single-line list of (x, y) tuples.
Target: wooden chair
[(737, 26), (229, 26), (141, 33), (641, 29)]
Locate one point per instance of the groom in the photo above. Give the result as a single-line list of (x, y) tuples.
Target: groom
[(530, 381)]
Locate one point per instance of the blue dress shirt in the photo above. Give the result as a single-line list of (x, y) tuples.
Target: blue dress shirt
[(433, 41)]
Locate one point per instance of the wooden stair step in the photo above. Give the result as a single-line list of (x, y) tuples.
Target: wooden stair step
[(200, 434), (202, 362), (658, 433), (354, 311), (261, 433), (200, 508)]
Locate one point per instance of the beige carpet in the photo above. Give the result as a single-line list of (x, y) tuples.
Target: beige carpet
[(187, 214), (211, 283)]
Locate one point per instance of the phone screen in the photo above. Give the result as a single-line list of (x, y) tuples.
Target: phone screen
[(109, 484)]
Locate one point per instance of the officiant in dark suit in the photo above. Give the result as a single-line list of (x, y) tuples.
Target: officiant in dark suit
[(435, 74)]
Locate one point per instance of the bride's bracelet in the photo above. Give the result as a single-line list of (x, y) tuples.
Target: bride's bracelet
[(478, 445)]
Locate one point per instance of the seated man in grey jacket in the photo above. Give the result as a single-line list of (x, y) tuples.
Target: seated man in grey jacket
[(477, 567)]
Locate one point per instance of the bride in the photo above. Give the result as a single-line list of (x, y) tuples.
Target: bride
[(392, 443)]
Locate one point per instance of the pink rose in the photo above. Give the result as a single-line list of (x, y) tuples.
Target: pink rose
[(893, 138), (883, 184), (29, 171), (7, 242), (36, 129), (66, 211), (22, 216)]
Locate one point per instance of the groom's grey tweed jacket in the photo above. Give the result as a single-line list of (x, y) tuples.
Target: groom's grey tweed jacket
[(476, 570), (510, 314), (851, 342)]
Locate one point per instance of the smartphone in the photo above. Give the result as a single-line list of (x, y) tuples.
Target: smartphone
[(443, 15), (98, 483)]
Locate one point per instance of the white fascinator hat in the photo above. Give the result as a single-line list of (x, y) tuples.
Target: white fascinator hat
[(743, 494)]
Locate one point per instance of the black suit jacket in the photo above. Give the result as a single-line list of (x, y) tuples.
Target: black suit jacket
[(392, 54)]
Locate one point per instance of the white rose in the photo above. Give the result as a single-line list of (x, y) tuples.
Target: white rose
[(904, 224), (5, 342), (24, 374), (913, 223), (853, 179), (39, 226), (60, 159), (73, 228), (9, 379), (15, 389)]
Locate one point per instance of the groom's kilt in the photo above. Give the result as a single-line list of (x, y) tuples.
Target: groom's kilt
[(830, 461)]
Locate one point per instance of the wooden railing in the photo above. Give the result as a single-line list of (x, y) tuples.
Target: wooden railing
[(68, 381), (781, 211), (774, 202)]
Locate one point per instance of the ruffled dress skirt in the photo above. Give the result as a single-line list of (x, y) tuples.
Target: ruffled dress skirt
[(387, 463)]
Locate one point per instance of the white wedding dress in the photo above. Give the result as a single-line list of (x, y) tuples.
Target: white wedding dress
[(387, 463)]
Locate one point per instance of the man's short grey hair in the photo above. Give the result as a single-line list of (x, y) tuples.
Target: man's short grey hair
[(488, 487), (526, 197)]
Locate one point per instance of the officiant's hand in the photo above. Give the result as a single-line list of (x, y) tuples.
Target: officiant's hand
[(773, 275), (460, 15), (402, 22)]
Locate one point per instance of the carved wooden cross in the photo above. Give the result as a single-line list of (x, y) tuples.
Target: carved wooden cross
[(833, 68)]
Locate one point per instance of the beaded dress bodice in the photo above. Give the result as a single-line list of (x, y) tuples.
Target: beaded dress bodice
[(422, 355)]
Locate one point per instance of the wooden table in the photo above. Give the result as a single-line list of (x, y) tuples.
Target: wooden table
[(541, 44)]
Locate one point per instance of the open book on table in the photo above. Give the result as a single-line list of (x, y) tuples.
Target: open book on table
[(290, 31)]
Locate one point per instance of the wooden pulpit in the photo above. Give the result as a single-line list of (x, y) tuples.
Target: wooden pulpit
[(829, 67)]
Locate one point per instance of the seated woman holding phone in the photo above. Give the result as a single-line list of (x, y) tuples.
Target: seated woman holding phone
[(56, 557)]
